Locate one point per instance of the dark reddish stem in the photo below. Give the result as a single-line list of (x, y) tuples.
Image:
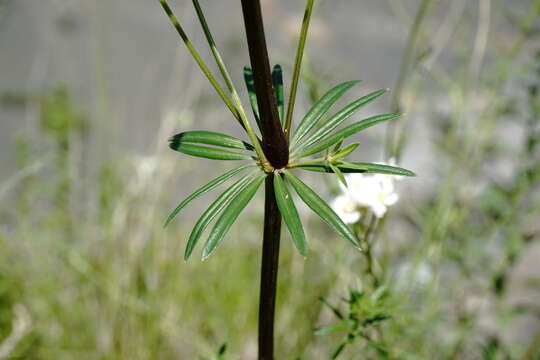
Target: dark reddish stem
[(276, 150)]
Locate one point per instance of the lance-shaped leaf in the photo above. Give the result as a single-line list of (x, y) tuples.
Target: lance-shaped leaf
[(319, 109), (209, 138), (229, 216), (290, 214), (337, 119), (358, 167), (206, 188), (321, 208), (213, 210), (350, 130), (250, 85), (208, 152), (374, 168), (277, 81), (339, 174)]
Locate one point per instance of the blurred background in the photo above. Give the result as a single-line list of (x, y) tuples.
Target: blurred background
[(90, 91)]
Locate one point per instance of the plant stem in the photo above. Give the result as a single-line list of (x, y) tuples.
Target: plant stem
[(230, 85), (273, 140), (393, 146), (277, 152), (297, 67), (269, 272), (195, 54)]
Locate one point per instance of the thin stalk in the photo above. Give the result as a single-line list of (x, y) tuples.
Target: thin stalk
[(228, 81), (273, 140), (198, 59), (392, 142), (298, 67), (277, 151), (269, 271)]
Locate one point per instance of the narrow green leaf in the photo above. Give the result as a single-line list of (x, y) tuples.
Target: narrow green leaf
[(208, 152), (374, 168), (319, 109), (210, 138), (325, 330), (321, 208), (203, 190), (339, 174), (346, 151), (350, 130), (358, 167), (214, 209), (277, 81), (290, 214), (338, 145), (250, 85), (229, 216), (334, 309), (337, 119)]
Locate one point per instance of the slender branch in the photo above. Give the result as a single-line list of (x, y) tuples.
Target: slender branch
[(229, 82), (199, 60), (297, 67), (273, 140), (269, 271), (392, 134)]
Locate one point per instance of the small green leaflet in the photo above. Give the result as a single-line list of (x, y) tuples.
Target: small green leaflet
[(229, 216), (329, 140), (358, 167), (206, 188), (277, 81), (321, 208), (210, 138), (319, 109), (250, 85), (338, 118), (214, 209), (208, 152), (290, 214)]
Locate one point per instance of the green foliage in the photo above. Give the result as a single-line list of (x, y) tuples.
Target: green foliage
[(362, 321), (290, 214)]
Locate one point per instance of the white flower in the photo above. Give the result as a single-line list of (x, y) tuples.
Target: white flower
[(346, 208), (375, 192)]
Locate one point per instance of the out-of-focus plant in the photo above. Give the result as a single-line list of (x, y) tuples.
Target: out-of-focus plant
[(365, 312), (316, 144)]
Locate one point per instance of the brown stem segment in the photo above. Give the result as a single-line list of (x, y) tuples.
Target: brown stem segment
[(269, 271), (273, 139)]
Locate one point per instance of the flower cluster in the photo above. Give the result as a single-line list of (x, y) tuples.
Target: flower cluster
[(365, 191)]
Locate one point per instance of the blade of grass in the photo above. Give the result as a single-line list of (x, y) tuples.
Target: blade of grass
[(298, 66)]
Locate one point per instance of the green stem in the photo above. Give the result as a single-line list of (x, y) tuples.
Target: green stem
[(228, 81), (297, 67), (392, 142)]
